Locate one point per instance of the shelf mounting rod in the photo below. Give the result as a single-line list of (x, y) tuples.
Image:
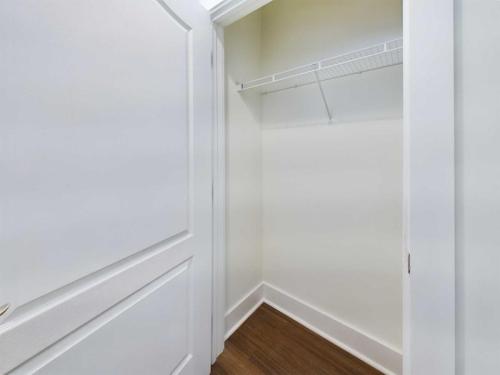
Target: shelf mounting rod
[(328, 111)]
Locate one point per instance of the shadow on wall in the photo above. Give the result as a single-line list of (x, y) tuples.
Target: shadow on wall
[(371, 96)]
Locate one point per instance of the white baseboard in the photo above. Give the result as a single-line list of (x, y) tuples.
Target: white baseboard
[(242, 310), (370, 350)]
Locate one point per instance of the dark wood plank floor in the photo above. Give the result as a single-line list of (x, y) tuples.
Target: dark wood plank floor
[(271, 343)]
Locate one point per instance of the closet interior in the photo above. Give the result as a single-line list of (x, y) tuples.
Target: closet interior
[(313, 111)]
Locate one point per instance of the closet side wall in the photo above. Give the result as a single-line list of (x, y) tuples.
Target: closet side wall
[(332, 194), (244, 182)]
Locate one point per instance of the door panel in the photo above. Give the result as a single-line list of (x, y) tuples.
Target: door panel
[(148, 319), (95, 133), (105, 142)]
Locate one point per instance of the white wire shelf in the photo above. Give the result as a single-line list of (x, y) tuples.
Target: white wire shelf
[(375, 57)]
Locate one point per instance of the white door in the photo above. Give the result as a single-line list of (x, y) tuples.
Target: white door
[(105, 193)]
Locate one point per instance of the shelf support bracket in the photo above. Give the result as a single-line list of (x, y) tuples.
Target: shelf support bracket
[(323, 96)]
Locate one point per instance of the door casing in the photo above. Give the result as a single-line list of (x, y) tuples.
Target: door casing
[(428, 186)]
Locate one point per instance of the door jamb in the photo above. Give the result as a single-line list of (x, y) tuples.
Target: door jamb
[(428, 187), (219, 195)]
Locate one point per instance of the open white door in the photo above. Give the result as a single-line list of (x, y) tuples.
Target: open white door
[(105, 194)]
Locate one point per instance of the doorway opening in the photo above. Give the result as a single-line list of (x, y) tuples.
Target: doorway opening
[(313, 178), (314, 171)]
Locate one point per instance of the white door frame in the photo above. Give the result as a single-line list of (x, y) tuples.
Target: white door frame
[(219, 195), (429, 182)]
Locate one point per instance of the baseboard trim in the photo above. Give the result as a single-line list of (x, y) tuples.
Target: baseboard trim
[(363, 346), (370, 350), (242, 310)]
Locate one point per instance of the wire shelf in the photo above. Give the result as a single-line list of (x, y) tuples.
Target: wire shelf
[(375, 57)]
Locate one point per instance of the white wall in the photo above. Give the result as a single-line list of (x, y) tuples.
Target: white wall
[(333, 194), (244, 184), (332, 221), (478, 186), (301, 31)]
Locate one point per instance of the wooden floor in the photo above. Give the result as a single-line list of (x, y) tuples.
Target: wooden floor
[(271, 343)]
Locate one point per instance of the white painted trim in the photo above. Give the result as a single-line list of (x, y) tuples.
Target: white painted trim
[(353, 340), (219, 196), (429, 169), (242, 310), (222, 15), (406, 206), (230, 11)]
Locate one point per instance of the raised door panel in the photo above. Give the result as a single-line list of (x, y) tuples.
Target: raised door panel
[(148, 333), (95, 137)]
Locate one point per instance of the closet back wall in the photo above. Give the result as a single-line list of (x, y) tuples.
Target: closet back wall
[(332, 194), (299, 32)]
